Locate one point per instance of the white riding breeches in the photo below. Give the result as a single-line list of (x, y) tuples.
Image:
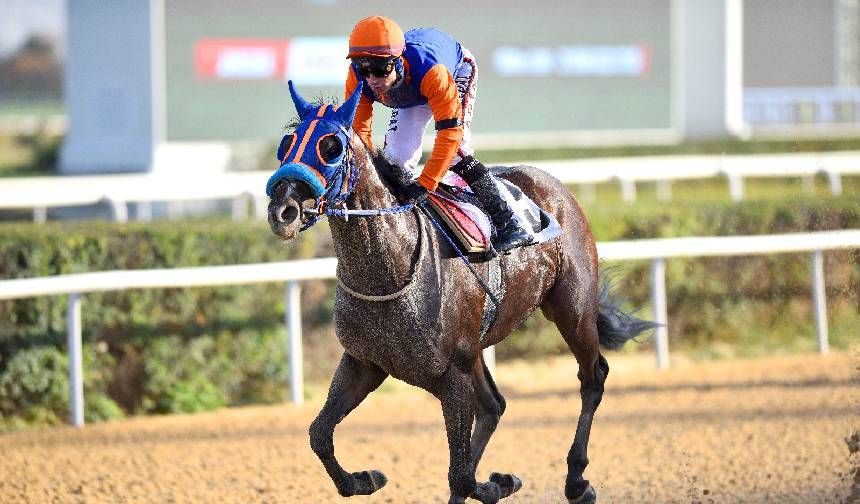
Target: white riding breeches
[(405, 135)]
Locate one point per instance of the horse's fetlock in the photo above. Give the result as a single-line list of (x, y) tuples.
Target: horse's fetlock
[(346, 488), (463, 486), (575, 488)]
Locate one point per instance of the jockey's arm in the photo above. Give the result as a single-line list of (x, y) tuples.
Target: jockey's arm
[(362, 125), (441, 91)]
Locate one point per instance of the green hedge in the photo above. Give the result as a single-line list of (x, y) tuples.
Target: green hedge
[(740, 305), (157, 350), (169, 350)]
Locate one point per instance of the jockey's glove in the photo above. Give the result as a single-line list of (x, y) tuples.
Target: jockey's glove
[(415, 193)]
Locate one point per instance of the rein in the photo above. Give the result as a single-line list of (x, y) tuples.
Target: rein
[(345, 213), (376, 212)]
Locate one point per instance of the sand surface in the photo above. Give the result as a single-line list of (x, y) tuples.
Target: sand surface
[(770, 430)]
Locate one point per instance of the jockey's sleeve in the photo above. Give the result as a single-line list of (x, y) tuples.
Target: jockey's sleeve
[(441, 91), (362, 125)]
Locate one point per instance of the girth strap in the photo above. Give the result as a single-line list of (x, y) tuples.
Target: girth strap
[(497, 288)]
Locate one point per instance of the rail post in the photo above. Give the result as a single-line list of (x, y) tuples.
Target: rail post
[(294, 347), (834, 180), (736, 187), (76, 361), (242, 206), (664, 190), (819, 301), (658, 302), (118, 209), (628, 190)]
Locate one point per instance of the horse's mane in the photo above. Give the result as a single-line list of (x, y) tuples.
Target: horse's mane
[(391, 173), (319, 101)]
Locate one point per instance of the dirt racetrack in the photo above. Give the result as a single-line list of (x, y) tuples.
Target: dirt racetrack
[(751, 431)]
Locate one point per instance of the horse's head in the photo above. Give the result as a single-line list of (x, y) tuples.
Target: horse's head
[(316, 165)]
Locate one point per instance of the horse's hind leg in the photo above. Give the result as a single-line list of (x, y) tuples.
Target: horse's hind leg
[(489, 407), (352, 381), (575, 315)]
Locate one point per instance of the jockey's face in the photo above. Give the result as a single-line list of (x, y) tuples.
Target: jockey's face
[(381, 85), (379, 73)]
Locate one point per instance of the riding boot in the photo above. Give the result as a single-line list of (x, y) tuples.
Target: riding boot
[(508, 233)]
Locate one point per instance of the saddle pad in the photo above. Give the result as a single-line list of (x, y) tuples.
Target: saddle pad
[(461, 219), (472, 226)]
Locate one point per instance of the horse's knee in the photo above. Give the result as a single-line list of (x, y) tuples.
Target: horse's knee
[(322, 442)]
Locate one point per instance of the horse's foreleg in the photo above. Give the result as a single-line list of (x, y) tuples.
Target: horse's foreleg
[(455, 394), (352, 381), (489, 407)]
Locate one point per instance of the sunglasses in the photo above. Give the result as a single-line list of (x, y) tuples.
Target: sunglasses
[(383, 70)]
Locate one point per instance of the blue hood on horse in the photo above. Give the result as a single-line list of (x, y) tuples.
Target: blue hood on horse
[(318, 152)]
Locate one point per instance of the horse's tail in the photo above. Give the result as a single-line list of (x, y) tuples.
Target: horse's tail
[(616, 327)]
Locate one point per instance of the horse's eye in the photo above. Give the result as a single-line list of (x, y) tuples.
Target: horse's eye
[(286, 143), (330, 148)]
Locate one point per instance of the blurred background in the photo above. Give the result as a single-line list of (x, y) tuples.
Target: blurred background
[(188, 100)]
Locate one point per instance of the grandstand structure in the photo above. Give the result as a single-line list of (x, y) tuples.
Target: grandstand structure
[(161, 85)]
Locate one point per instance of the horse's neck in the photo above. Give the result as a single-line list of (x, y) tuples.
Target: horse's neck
[(375, 254)]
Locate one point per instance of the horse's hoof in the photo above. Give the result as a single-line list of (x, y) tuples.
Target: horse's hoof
[(508, 483), (367, 482), (487, 493), (589, 496)]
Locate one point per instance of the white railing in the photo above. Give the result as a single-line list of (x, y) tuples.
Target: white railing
[(246, 189), (292, 272)]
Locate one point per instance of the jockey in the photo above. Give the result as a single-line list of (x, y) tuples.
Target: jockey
[(423, 75)]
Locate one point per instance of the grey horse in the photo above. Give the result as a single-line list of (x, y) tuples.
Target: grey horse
[(406, 305)]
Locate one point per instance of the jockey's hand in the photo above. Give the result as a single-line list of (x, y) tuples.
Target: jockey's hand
[(415, 193)]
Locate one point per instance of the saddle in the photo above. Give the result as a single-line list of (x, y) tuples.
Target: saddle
[(469, 225)]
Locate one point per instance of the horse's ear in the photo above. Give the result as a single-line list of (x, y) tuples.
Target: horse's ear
[(346, 112), (302, 107)]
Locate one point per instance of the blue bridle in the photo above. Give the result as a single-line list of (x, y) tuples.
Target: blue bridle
[(333, 180)]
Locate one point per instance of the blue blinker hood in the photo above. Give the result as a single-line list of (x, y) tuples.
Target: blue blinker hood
[(299, 153)]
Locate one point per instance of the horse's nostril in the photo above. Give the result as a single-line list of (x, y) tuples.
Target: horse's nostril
[(289, 214)]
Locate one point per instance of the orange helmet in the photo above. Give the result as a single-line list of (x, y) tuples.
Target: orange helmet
[(376, 36)]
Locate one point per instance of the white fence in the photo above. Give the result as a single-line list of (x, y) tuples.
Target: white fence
[(292, 272), (246, 189)]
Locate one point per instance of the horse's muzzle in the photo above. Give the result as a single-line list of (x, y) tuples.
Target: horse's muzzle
[(286, 212), (285, 218)]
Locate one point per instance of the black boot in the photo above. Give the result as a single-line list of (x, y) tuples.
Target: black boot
[(508, 233)]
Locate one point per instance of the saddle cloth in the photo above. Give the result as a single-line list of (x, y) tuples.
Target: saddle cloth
[(459, 209)]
